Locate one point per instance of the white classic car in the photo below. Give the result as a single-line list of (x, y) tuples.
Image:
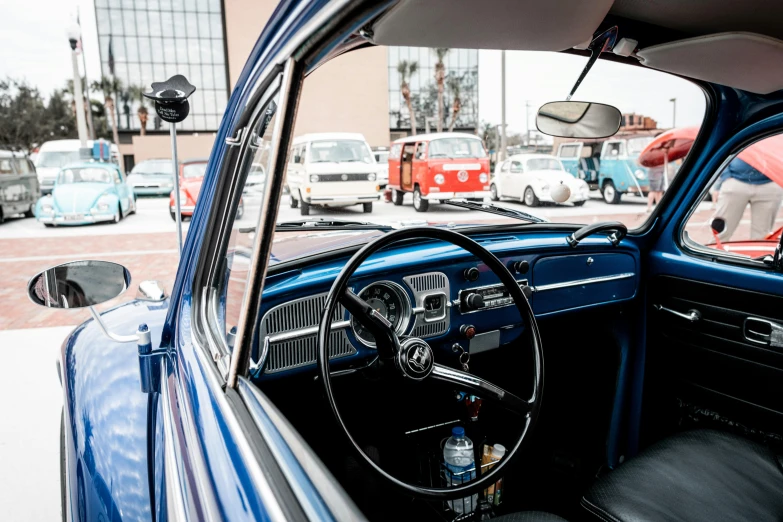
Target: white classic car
[(530, 178)]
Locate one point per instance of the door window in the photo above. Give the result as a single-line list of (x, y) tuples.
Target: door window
[(23, 166), (516, 166), (569, 151), (504, 166), (614, 149), (421, 151), (741, 212), (5, 166)]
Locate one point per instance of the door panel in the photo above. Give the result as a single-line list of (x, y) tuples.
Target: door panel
[(710, 362), (407, 166)]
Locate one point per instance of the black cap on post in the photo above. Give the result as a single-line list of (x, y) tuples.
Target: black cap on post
[(171, 98)]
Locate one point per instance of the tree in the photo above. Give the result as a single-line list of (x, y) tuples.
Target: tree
[(440, 77), (137, 93), (407, 70), (489, 134), (455, 85), (23, 119), (109, 86)]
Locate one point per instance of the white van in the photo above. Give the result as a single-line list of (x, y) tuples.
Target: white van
[(334, 169), (54, 155)]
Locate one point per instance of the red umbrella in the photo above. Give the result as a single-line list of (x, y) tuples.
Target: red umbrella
[(765, 156), (668, 146)]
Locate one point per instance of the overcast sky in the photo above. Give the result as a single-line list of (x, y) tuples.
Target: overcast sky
[(34, 46)]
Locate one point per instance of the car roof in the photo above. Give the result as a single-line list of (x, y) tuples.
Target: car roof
[(525, 157), (317, 136), (436, 136), (11, 154), (67, 145), (82, 164)]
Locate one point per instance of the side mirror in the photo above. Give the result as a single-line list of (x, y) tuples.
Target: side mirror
[(78, 284), (571, 119), (297, 158), (718, 225)]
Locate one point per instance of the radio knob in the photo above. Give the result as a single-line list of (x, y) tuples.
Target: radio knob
[(521, 267), (474, 301), (471, 274)]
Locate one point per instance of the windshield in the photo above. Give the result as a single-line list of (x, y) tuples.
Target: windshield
[(56, 159), (339, 151), (153, 167), (637, 145), (84, 175), (544, 164), (457, 148), (382, 157), (194, 170)]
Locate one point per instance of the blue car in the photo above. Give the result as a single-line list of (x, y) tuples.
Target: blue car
[(86, 193), (337, 369)]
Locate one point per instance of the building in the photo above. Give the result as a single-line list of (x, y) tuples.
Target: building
[(637, 122), (209, 42)]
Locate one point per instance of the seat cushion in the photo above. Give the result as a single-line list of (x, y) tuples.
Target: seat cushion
[(700, 475), (529, 516)]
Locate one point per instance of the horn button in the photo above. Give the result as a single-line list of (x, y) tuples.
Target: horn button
[(415, 358)]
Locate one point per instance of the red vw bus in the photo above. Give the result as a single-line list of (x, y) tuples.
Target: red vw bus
[(438, 166)]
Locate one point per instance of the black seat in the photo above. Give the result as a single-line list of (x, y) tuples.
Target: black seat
[(700, 475)]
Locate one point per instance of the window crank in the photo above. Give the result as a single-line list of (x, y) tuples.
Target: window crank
[(692, 315)]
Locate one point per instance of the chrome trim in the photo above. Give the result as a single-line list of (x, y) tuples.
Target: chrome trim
[(175, 503), (692, 315), (304, 332), (580, 282), (442, 288), (237, 139), (405, 314), (251, 303), (114, 337), (458, 301)]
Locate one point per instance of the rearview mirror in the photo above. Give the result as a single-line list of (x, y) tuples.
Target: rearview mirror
[(78, 284), (573, 119)]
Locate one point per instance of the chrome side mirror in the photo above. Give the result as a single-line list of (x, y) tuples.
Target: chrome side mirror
[(572, 119), (78, 284), (151, 291)]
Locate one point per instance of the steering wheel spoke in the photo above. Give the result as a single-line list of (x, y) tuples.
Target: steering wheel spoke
[(381, 328), (486, 390)]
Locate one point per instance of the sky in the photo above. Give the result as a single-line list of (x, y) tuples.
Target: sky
[(34, 46)]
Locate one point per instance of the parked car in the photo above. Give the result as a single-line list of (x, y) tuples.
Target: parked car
[(153, 177), (323, 370), (18, 185), (333, 169), (54, 155), (382, 159), (529, 178), (191, 176), (256, 180), (86, 193), (438, 166), (609, 165)]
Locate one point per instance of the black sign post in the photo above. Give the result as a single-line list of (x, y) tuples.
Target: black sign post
[(171, 104)]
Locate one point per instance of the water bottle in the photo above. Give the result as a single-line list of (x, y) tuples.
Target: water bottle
[(460, 468)]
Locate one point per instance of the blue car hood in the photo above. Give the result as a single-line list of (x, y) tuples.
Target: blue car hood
[(78, 197)]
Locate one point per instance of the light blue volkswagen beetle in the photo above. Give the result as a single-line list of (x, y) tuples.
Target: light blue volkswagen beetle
[(86, 193)]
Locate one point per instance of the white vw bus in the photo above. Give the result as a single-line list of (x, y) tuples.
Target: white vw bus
[(334, 169)]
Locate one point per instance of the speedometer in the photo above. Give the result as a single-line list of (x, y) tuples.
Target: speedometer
[(389, 300)]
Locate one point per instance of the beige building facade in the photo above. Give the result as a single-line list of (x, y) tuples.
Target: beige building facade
[(349, 94)]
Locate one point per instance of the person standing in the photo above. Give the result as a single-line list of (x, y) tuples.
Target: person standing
[(743, 185)]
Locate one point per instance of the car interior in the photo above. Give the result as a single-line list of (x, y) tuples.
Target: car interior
[(617, 367)]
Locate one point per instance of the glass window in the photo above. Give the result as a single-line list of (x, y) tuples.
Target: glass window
[(214, 6), (6, 166), (103, 21), (741, 213), (132, 46), (84, 175), (142, 23), (516, 166), (129, 22), (218, 52), (56, 159), (212, 122), (117, 28), (543, 164), (170, 50), (457, 148), (339, 151), (504, 166), (145, 54), (167, 23), (421, 151), (569, 151), (614, 149), (203, 25), (23, 166), (238, 256), (191, 25), (209, 101)]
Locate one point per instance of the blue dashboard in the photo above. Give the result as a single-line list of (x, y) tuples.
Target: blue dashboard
[(430, 289)]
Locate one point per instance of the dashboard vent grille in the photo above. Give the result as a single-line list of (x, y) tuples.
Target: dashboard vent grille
[(426, 282), (298, 315), (285, 355), (430, 329)]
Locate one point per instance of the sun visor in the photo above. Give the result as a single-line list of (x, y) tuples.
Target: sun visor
[(532, 25), (744, 61)]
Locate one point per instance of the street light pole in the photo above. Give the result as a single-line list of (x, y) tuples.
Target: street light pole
[(674, 112), (74, 32), (502, 105)]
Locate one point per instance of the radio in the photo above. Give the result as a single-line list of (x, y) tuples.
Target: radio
[(486, 297)]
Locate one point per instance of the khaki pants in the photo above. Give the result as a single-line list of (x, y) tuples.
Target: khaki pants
[(764, 203)]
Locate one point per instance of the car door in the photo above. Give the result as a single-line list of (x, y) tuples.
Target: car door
[(715, 303), (28, 181), (516, 179)]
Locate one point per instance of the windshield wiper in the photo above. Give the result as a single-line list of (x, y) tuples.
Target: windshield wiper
[(494, 209), (323, 224)]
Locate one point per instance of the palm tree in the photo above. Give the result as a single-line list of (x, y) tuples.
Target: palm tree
[(440, 77), (69, 90), (137, 92), (454, 84), (406, 70), (109, 86)]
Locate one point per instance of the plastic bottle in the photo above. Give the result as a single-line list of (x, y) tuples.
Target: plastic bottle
[(460, 468)]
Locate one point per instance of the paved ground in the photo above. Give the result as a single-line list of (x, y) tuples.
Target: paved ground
[(30, 427)]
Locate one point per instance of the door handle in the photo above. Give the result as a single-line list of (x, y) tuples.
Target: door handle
[(762, 331), (692, 315)]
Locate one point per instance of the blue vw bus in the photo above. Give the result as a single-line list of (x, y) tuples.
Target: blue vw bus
[(609, 166)]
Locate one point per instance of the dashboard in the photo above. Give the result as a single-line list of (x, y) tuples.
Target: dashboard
[(437, 292)]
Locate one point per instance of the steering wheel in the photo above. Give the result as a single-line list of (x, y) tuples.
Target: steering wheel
[(413, 359)]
